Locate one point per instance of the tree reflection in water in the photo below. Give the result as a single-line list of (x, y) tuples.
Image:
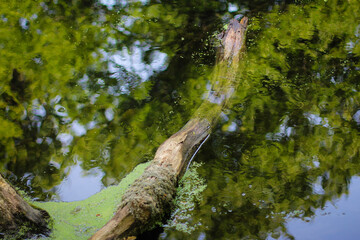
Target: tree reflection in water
[(102, 86)]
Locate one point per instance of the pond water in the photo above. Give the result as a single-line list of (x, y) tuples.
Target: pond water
[(90, 89)]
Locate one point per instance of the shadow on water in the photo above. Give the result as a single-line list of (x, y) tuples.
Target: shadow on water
[(88, 91)]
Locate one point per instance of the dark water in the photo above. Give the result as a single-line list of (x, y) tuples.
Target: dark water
[(90, 90)]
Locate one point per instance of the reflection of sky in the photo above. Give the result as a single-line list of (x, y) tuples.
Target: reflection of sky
[(80, 184), (65, 139), (78, 129), (110, 3), (356, 117), (315, 119), (132, 61), (232, 7), (339, 220), (286, 131)]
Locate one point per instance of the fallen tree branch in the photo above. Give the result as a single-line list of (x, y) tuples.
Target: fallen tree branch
[(149, 198), (17, 216)]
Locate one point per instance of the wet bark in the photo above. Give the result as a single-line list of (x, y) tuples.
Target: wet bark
[(17, 216), (149, 199)]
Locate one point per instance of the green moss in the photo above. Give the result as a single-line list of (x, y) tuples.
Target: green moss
[(157, 187), (81, 219), (22, 232)]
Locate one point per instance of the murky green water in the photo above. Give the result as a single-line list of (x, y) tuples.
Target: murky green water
[(89, 90)]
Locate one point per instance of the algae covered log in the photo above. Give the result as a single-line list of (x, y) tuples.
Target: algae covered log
[(150, 197), (17, 216)]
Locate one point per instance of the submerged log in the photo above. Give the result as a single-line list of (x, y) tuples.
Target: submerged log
[(150, 197), (17, 216)]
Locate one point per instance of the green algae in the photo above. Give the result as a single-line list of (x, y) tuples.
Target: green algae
[(189, 193), (81, 219)]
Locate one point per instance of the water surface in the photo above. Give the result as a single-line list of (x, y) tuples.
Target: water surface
[(90, 89)]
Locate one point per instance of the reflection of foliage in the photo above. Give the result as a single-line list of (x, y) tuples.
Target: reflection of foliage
[(63, 96), (42, 51), (290, 141), (293, 124)]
